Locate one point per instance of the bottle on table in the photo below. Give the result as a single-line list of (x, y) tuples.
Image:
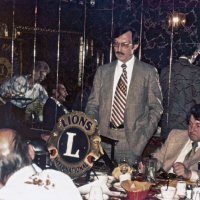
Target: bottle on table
[(189, 191)]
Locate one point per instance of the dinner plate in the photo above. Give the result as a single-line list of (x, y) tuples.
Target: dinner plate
[(159, 196), (118, 187)]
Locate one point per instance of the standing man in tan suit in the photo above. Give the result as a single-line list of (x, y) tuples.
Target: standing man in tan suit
[(173, 155), (143, 106)]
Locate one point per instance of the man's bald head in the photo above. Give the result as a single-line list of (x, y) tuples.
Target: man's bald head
[(12, 143), (14, 153), (7, 141)]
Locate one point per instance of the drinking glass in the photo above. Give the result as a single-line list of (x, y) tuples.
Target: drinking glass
[(136, 170), (181, 189), (150, 169)]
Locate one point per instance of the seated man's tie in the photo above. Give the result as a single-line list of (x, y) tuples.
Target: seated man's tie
[(119, 103), (191, 153)]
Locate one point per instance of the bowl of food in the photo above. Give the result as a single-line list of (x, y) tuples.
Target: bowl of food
[(136, 190), (137, 195)]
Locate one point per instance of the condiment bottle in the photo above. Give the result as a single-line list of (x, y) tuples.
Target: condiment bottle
[(198, 183), (188, 191)]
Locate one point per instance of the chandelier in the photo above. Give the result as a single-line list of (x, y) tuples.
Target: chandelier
[(177, 20)]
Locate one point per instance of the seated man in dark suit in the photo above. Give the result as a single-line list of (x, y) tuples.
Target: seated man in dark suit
[(54, 108), (180, 153)]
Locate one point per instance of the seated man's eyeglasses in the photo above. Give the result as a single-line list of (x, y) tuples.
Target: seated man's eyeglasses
[(124, 45)]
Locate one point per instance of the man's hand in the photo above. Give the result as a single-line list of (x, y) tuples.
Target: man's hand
[(180, 170)]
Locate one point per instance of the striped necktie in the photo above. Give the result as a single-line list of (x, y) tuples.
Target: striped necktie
[(119, 102), (191, 153)]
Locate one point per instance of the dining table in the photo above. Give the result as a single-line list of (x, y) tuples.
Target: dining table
[(154, 192)]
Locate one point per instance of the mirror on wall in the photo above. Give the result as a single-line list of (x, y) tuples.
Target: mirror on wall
[(65, 35), (75, 37)]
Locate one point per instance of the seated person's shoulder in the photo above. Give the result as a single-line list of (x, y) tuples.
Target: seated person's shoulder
[(177, 132)]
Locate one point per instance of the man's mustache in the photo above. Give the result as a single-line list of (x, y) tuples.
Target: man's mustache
[(119, 53)]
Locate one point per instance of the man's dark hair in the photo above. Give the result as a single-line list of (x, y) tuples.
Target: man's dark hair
[(121, 30), (194, 111), (17, 158)]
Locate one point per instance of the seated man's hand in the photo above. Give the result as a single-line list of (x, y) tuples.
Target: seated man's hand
[(180, 170)]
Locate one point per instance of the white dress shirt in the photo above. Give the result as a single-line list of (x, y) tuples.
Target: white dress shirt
[(181, 157)]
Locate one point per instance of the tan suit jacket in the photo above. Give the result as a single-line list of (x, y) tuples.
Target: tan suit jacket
[(171, 149), (143, 106)]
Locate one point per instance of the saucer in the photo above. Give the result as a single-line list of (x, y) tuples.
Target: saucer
[(118, 187), (159, 196)]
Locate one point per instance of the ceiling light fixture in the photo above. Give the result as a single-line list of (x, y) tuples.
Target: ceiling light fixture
[(177, 20)]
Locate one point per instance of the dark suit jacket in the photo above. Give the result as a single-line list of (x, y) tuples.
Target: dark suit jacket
[(143, 106), (171, 149), (51, 114), (184, 93)]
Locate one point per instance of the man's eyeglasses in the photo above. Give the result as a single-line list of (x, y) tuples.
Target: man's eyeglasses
[(123, 45)]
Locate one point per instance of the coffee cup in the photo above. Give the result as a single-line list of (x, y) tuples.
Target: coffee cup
[(181, 189), (168, 193)]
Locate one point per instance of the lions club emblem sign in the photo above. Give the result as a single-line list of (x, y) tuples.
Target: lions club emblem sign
[(74, 144)]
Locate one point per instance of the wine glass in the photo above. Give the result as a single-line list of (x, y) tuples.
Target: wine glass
[(150, 169), (136, 170)]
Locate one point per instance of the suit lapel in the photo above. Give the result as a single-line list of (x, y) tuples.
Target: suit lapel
[(174, 148), (110, 78), (108, 91), (131, 90)]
